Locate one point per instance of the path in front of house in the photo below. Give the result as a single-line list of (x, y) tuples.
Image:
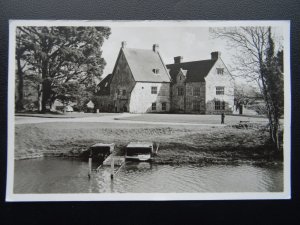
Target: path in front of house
[(196, 118), (120, 118), (160, 119)]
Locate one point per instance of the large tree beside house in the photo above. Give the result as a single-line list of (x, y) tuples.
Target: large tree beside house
[(57, 58), (257, 60)]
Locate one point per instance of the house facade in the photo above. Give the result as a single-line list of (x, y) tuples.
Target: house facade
[(142, 83), (102, 100), (204, 87)]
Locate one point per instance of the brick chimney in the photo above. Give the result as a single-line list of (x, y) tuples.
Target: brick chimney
[(155, 47), (123, 43), (178, 59), (215, 55)]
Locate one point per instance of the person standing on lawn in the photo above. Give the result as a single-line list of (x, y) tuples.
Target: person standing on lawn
[(222, 118)]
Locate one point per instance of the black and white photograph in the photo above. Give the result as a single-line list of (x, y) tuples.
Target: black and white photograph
[(148, 110)]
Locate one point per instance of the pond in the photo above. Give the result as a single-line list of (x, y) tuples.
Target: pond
[(60, 175)]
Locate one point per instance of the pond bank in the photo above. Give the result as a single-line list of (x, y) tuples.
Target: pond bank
[(178, 144)]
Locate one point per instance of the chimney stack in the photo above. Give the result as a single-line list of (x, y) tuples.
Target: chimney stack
[(123, 44), (178, 59), (215, 55), (155, 47)]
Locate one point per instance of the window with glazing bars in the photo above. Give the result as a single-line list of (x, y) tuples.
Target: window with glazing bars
[(220, 70), (154, 106), (220, 90), (153, 90), (196, 91), (180, 91), (219, 105)]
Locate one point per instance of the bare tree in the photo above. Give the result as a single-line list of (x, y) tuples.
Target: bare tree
[(245, 96), (255, 61)]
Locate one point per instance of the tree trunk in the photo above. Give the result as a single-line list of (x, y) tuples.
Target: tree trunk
[(274, 126), (275, 135), (43, 99), (19, 103), (272, 116), (40, 93), (64, 105), (46, 88)]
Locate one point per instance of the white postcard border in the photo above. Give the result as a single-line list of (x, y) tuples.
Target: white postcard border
[(10, 196)]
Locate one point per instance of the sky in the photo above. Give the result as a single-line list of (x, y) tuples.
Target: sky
[(192, 43)]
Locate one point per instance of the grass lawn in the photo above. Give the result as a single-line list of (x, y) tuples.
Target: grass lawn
[(178, 143)]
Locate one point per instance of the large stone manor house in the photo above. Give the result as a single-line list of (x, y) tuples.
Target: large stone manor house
[(141, 83)]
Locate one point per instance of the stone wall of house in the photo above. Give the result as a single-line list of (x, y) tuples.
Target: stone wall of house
[(142, 98), (177, 100), (195, 103), (104, 103), (214, 80), (121, 85)]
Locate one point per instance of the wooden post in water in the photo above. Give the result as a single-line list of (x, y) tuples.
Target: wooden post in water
[(90, 164), (156, 151), (112, 167), (90, 167)]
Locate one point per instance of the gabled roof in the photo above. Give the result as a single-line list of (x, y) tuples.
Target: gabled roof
[(104, 86), (184, 72), (142, 62), (196, 70)]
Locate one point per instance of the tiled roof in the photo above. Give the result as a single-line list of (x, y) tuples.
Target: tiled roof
[(142, 64), (104, 86), (196, 70)]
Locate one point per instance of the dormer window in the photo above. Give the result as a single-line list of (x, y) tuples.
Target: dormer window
[(155, 71), (220, 71)]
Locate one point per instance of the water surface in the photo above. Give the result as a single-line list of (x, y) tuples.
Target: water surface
[(58, 175)]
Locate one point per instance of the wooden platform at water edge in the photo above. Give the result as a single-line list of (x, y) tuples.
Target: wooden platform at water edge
[(118, 160)]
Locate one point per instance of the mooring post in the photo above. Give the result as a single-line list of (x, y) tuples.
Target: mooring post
[(90, 167), (90, 163), (156, 148), (112, 167)]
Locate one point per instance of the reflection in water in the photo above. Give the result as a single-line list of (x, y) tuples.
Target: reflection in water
[(56, 175)]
